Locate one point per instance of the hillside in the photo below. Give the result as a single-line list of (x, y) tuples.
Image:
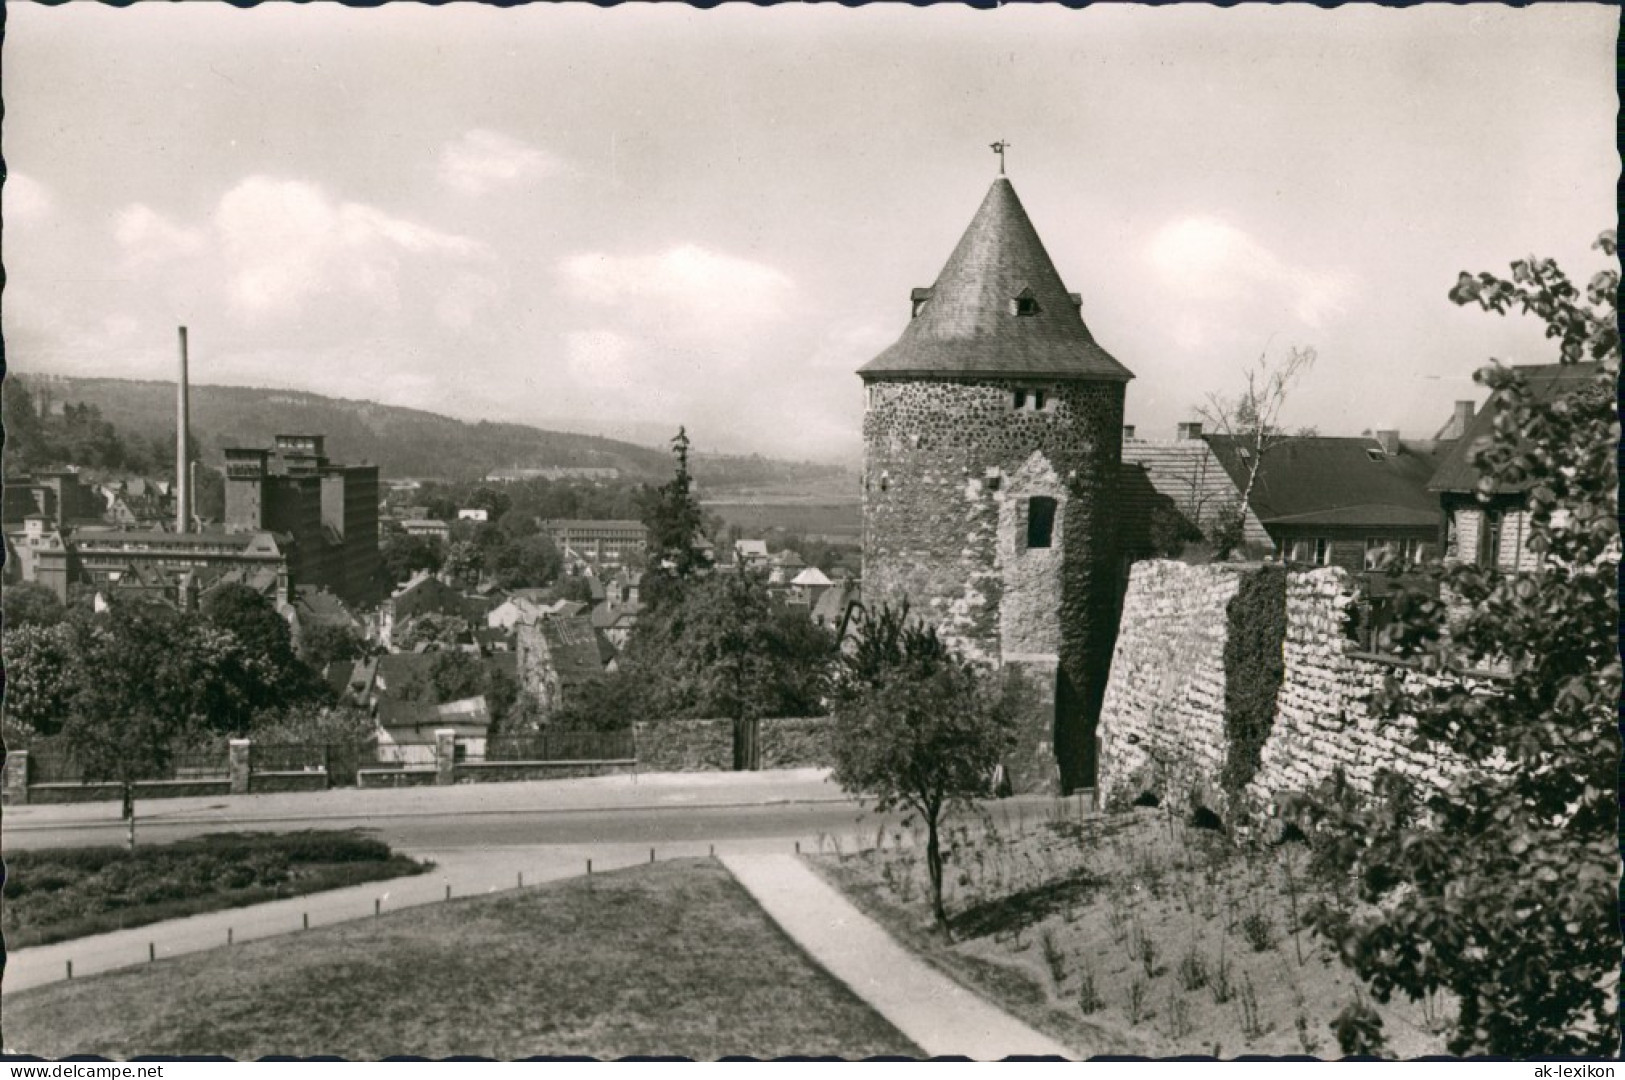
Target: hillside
[(402, 442)]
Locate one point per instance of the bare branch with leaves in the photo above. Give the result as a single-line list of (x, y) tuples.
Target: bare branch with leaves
[(1251, 420)]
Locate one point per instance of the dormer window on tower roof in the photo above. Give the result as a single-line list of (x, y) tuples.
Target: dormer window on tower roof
[(1024, 303)]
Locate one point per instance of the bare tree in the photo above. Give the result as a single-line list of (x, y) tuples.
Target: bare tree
[(1252, 421)]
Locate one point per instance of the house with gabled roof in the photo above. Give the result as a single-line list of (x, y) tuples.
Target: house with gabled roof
[(1486, 521), (1360, 502)]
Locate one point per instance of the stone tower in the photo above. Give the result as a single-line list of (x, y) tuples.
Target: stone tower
[(992, 441)]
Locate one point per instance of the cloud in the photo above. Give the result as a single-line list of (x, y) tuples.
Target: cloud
[(686, 288), (24, 199), (1220, 276), (148, 238), (483, 161), (286, 242)]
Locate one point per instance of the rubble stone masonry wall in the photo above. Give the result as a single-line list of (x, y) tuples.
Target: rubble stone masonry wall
[(951, 469), (1163, 723)]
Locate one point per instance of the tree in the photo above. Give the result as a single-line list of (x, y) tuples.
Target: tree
[(431, 628), (464, 561), (29, 604), (725, 648), (918, 726), (1251, 420), (574, 587), (1502, 887), (147, 695), (271, 673), (40, 677), (402, 554), (526, 563), (672, 515), (330, 643)]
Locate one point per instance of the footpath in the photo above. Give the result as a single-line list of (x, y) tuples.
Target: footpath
[(938, 1015)]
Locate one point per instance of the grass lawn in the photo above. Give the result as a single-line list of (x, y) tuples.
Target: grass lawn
[(60, 894), (1133, 933), (670, 959)]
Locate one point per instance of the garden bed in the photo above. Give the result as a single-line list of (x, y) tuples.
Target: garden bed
[(1132, 933), (59, 894)]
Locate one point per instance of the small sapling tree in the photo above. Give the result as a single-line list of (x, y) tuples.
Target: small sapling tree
[(1251, 420), (919, 727)]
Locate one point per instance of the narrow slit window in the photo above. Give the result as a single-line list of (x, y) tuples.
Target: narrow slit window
[(1040, 521), (1019, 399)]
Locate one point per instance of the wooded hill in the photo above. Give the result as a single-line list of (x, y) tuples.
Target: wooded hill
[(402, 442)]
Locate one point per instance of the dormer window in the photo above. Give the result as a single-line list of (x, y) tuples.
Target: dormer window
[(1024, 303)]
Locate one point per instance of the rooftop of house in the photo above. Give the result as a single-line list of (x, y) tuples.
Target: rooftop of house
[(1334, 480), (1547, 382), (812, 577), (315, 604), (397, 715), (998, 309), (573, 643)]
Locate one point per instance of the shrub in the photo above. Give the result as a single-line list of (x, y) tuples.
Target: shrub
[(1358, 1029), (1192, 969), (1089, 999), (1259, 930)]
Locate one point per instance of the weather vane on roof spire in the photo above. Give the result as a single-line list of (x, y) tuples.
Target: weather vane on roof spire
[(999, 149)]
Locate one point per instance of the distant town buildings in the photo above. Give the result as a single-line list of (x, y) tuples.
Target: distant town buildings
[(597, 474), (596, 544), (293, 519), (328, 510)]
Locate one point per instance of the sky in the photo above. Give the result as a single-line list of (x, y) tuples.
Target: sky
[(616, 220)]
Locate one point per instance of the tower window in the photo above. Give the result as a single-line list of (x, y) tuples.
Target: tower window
[(1024, 303), (1040, 521), (1030, 399)]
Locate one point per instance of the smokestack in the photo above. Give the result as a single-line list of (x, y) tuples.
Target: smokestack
[(183, 431), (1389, 441)]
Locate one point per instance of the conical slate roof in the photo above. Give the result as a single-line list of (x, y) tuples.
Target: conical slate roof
[(968, 322)]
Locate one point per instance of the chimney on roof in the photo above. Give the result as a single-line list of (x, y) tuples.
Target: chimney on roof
[(1463, 417), (1190, 429), (1128, 432), (1389, 441)]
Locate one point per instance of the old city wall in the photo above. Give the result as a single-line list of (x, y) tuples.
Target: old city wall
[(707, 745), (1163, 725)]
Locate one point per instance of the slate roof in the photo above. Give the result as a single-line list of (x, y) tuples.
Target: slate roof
[(1327, 480), (575, 649), (965, 324), (1184, 472), (1546, 382)]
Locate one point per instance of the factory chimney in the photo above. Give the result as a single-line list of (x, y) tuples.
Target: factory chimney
[(183, 431)]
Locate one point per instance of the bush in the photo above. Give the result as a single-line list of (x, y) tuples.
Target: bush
[(1358, 1029)]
